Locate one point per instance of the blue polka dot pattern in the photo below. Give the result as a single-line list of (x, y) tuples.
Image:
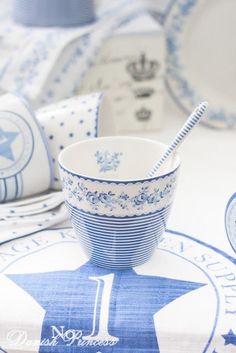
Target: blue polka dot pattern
[(67, 122)]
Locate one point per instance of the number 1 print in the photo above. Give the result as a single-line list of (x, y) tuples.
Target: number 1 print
[(101, 312)]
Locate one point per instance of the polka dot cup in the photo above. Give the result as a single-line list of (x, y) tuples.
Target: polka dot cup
[(72, 120)]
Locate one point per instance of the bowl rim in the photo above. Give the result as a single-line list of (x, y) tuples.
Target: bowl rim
[(117, 181)]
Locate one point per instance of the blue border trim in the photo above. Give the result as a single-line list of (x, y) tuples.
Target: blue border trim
[(119, 182), (5, 190), (33, 144), (46, 145), (17, 187), (226, 210), (37, 251), (98, 114), (230, 258), (118, 218), (183, 108), (165, 14), (169, 251), (20, 185), (216, 293), (180, 234)]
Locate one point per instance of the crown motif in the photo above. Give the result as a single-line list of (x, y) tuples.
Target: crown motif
[(143, 92), (142, 69), (143, 114)]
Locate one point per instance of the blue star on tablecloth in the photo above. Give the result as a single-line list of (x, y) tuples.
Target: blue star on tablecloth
[(69, 297), (230, 338), (6, 139)]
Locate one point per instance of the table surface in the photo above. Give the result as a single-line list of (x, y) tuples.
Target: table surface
[(206, 180), (56, 286)]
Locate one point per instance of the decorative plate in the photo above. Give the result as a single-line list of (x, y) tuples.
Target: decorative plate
[(201, 57), (230, 221)]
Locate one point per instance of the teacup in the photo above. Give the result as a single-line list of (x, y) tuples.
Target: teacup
[(118, 214), (74, 119)]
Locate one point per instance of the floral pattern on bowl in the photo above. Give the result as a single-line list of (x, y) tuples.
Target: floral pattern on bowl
[(107, 197), (108, 161)]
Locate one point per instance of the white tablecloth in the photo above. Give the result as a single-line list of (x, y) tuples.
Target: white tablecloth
[(207, 178)]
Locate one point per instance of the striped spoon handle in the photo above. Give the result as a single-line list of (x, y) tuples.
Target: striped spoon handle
[(179, 138)]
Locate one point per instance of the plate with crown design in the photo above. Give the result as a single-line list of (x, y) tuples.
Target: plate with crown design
[(201, 57)]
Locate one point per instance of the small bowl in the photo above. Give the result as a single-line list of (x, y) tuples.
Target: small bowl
[(118, 214)]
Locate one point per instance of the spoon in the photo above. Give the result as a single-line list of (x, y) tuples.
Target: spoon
[(193, 119)]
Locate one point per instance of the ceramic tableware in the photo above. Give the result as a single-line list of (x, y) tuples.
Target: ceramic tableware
[(201, 57), (25, 226), (49, 64), (23, 151), (32, 209), (74, 119), (118, 213), (32, 200), (230, 221)]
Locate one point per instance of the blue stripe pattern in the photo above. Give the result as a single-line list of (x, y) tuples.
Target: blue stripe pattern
[(2, 190), (53, 12), (118, 242), (188, 126)]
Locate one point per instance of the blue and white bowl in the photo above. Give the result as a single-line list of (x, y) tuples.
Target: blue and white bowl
[(118, 214)]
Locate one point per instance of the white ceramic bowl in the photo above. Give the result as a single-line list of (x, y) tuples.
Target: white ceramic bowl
[(117, 212)]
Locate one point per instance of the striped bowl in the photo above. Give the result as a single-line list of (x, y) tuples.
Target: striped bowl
[(118, 214)]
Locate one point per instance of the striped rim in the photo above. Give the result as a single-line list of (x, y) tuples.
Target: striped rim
[(73, 148)]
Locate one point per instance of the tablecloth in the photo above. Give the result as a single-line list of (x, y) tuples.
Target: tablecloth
[(54, 300), (183, 300)]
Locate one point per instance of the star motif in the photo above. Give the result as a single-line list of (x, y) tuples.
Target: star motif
[(230, 338), (68, 298), (6, 139)]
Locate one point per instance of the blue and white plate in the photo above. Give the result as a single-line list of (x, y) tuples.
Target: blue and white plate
[(230, 221), (201, 58)]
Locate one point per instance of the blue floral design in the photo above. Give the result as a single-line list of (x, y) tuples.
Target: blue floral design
[(110, 200), (108, 161), (179, 86), (29, 69)]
